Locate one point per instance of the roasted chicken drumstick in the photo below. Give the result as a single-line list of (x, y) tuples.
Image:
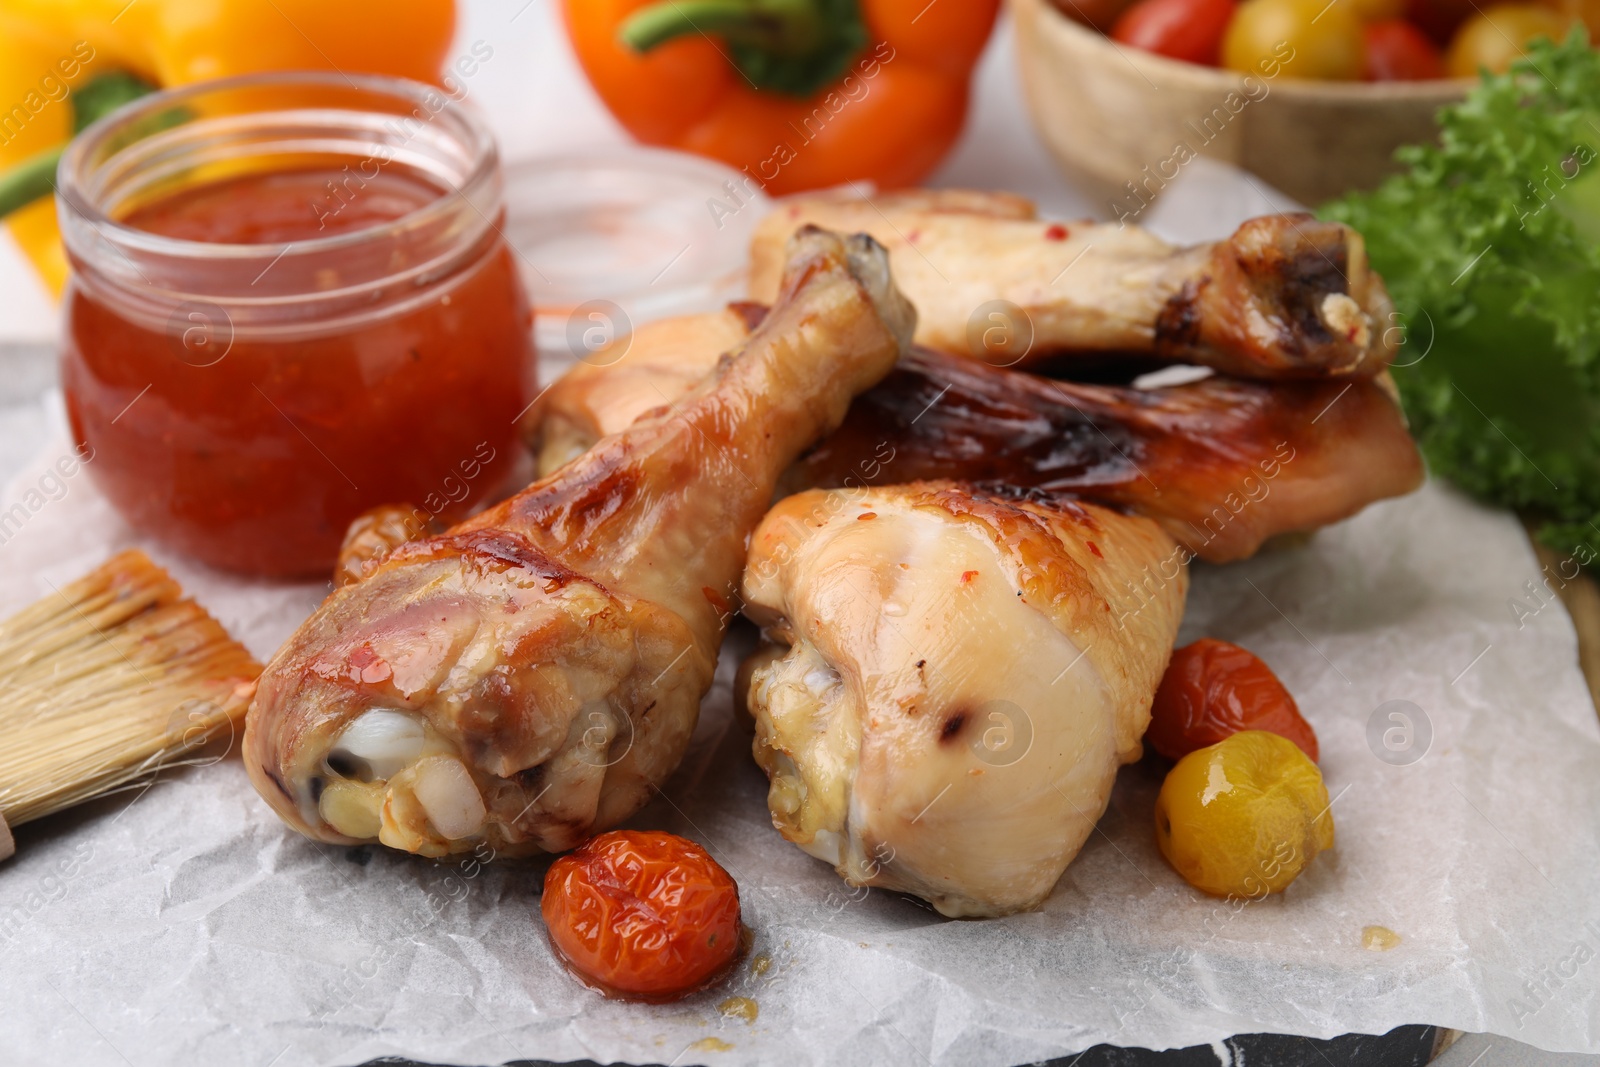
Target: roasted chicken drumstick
[(529, 676), (1286, 296), (951, 680), (1222, 464)]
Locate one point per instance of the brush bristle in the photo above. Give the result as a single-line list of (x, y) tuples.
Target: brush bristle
[(107, 680)]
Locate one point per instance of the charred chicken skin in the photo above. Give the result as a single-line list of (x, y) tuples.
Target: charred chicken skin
[(529, 676), (1222, 464), (951, 678), (1287, 296)]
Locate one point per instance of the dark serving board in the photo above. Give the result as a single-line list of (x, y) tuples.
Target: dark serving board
[(1404, 1046)]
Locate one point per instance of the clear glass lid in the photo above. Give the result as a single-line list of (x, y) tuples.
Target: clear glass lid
[(650, 232)]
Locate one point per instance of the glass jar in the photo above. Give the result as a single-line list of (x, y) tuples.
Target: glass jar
[(291, 301)]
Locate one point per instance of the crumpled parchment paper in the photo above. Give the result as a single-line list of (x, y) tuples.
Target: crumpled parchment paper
[(185, 924)]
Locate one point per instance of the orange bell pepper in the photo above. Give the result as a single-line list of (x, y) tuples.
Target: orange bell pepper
[(53, 51), (799, 94)]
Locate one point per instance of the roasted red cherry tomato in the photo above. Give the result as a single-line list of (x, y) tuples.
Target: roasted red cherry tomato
[(1190, 30), (1399, 52), (642, 915), (1213, 690)]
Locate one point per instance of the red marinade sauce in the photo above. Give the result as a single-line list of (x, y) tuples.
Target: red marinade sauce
[(258, 462)]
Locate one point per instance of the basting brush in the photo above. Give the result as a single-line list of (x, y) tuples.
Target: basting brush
[(106, 681)]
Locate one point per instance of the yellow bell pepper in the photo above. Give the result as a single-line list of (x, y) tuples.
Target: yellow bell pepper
[(36, 76), (52, 49)]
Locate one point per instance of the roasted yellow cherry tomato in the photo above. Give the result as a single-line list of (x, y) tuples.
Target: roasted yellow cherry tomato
[(1493, 38), (1243, 817), (1297, 38)]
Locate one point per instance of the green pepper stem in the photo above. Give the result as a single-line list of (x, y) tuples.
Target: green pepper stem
[(35, 176), (779, 26), (29, 180)]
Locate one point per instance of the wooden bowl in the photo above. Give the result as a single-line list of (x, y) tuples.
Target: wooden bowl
[(1122, 121)]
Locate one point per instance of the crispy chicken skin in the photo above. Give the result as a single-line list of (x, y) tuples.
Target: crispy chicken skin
[(529, 676), (952, 677), (375, 533), (1223, 464), (1286, 296)]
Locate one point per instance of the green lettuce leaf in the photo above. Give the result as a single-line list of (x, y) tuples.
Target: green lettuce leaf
[(1490, 245)]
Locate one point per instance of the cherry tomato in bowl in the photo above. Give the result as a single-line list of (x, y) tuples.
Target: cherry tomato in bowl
[(1399, 52), (1190, 30), (1378, 10), (1491, 39), (1213, 690), (1310, 39), (642, 915), (1439, 19), (1101, 14), (1584, 11)]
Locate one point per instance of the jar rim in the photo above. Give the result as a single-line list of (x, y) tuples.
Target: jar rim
[(76, 161), (172, 140)]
